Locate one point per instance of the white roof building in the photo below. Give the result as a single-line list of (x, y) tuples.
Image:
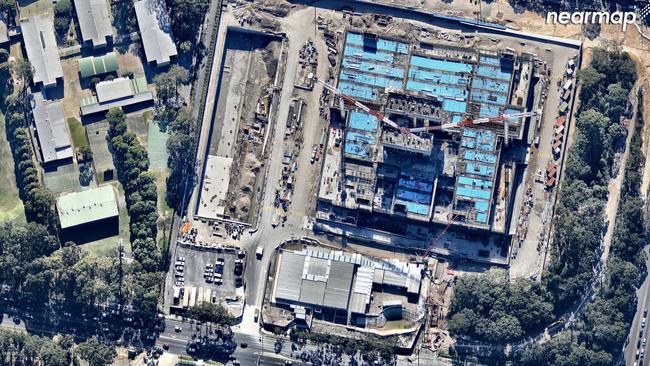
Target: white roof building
[(155, 31), (51, 130), (94, 21), (42, 51)]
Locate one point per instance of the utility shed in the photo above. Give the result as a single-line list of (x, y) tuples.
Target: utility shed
[(51, 130), (155, 31), (87, 206), (94, 21), (42, 52), (92, 66)]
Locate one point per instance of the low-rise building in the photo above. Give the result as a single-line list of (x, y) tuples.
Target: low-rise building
[(88, 215), (155, 31), (94, 22), (41, 48), (338, 286), (117, 93), (93, 66), (51, 129)]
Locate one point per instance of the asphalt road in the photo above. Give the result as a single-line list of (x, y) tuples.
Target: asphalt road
[(629, 352)]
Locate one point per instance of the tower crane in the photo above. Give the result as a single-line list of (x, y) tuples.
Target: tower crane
[(363, 107), (504, 118)]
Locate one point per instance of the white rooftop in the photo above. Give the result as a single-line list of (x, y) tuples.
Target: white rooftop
[(51, 129), (215, 187), (42, 51), (155, 31), (94, 21), (117, 88)]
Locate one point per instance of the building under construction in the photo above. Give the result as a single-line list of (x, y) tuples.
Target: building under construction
[(446, 151)]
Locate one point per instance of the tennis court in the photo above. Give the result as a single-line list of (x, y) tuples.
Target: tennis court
[(102, 158), (64, 179), (157, 147)]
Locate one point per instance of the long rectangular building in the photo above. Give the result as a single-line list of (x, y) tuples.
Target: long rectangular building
[(51, 130), (155, 31), (94, 22), (41, 48)]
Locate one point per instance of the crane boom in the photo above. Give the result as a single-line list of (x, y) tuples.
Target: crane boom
[(364, 107), (503, 119), (469, 122)]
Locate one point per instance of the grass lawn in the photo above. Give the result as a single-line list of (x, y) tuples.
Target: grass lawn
[(11, 207), (78, 133), (398, 324), (148, 116)]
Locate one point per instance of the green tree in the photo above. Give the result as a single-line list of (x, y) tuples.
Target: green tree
[(187, 16), (4, 55), (25, 72), (209, 312), (96, 353), (62, 16)]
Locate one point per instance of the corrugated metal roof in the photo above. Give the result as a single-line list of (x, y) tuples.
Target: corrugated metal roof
[(90, 106), (337, 291), (378, 277), (115, 89), (51, 129), (94, 21), (358, 303), (155, 31), (87, 206), (394, 279), (317, 268), (312, 292), (289, 276), (414, 279), (42, 52), (363, 282), (91, 66)]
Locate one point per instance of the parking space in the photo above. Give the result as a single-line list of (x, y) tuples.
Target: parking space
[(216, 274)]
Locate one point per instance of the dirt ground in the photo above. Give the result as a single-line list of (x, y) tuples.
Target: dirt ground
[(72, 91), (130, 61)]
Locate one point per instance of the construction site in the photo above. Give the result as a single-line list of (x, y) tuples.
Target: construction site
[(240, 127), (426, 133)]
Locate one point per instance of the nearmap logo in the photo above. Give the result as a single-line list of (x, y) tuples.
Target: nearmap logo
[(598, 17)]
